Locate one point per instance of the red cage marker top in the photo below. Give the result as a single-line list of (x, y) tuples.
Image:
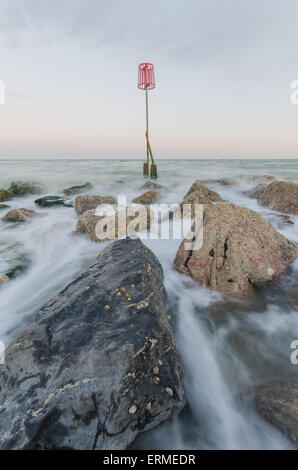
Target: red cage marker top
[(146, 76)]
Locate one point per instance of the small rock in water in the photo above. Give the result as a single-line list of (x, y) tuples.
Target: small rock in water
[(77, 189), (169, 391), (153, 186), (254, 193), (17, 261), (150, 197), (86, 202), (20, 188), (281, 196), (20, 215), (4, 206), (49, 201), (4, 195)]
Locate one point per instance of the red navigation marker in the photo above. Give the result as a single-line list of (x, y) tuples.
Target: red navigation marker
[(147, 82)]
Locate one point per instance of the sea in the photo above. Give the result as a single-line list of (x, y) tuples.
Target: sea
[(228, 346)]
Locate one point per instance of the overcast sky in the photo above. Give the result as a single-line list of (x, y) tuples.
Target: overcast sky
[(223, 71)]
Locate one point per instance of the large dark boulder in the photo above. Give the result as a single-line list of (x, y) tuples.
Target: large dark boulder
[(277, 402), (98, 364)]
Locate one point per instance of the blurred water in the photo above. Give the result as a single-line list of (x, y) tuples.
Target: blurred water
[(227, 346)]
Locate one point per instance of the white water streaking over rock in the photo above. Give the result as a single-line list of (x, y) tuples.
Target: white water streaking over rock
[(228, 346)]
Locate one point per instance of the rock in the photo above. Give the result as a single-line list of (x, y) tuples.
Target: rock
[(80, 377), (86, 203), (205, 195), (277, 402), (197, 194), (4, 195), (77, 189), (14, 258), (117, 226), (149, 197), (281, 196), (240, 249), (263, 179), (3, 206), (255, 192), (20, 215), (3, 279), (49, 201), (150, 185), (20, 188), (221, 181)]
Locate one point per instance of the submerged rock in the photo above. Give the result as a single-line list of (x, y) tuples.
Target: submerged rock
[(263, 179), (221, 181), (4, 195), (80, 376), (20, 188), (77, 189), (281, 196), (49, 201), (277, 402), (14, 257), (149, 197), (255, 192), (86, 203), (151, 185), (117, 225), (20, 215), (3, 206), (240, 249)]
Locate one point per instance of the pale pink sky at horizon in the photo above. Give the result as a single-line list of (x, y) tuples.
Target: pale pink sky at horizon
[(223, 69)]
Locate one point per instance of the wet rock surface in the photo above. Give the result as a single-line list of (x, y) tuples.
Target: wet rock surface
[(151, 185), (204, 194), (277, 402), (20, 188), (255, 192), (98, 364), (240, 249), (281, 196), (15, 259), (86, 203), (77, 189), (49, 201), (149, 197), (4, 206), (20, 215), (4, 195)]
